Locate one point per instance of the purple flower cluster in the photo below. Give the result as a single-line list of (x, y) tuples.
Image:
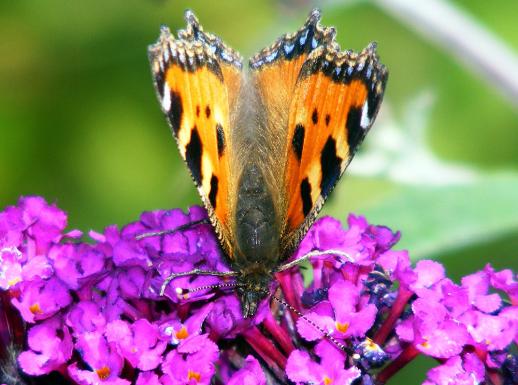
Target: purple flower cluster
[(90, 310)]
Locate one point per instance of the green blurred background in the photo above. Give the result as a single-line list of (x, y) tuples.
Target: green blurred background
[(81, 126)]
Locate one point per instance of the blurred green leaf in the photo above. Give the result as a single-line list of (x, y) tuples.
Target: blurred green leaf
[(438, 219)]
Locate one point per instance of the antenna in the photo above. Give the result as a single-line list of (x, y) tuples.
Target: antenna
[(196, 272), (182, 293)]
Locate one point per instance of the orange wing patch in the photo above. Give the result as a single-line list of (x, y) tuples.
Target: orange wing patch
[(197, 79), (335, 102), (200, 130), (274, 74), (275, 70)]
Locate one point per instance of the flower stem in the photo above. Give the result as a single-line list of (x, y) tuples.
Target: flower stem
[(278, 333), (407, 355), (266, 349), (395, 312), (289, 292), (494, 377), (12, 329)]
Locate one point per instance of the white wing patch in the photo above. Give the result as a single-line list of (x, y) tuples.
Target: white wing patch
[(166, 99), (365, 121)]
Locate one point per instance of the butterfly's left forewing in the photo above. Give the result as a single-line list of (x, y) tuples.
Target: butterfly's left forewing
[(197, 79)]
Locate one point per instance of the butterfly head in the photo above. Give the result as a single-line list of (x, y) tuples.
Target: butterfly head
[(252, 288)]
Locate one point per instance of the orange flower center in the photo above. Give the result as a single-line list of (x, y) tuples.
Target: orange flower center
[(191, 375), (342, 327), (182, 333), (103, 373), (35, 308), (327, 380)]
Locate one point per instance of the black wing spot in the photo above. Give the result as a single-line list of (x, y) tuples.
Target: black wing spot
[(213, 191), (374, 100), (330, 164), (328, 119), (305, 194), (314, 116), (198, 110), (220, 135), (298, 140), (207, 111), (355, 133), (193, 155), (160, 80), (175, 113)]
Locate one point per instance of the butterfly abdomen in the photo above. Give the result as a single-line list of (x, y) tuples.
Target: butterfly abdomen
[(257, 232)]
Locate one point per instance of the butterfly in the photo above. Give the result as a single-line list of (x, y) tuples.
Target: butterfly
[(265, 145)]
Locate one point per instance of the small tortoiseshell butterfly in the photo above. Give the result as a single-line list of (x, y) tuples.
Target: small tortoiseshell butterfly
[(266, 146)]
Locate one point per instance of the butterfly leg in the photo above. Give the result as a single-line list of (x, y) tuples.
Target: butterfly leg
[(172, 231), (195, 272), (314, 253)]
